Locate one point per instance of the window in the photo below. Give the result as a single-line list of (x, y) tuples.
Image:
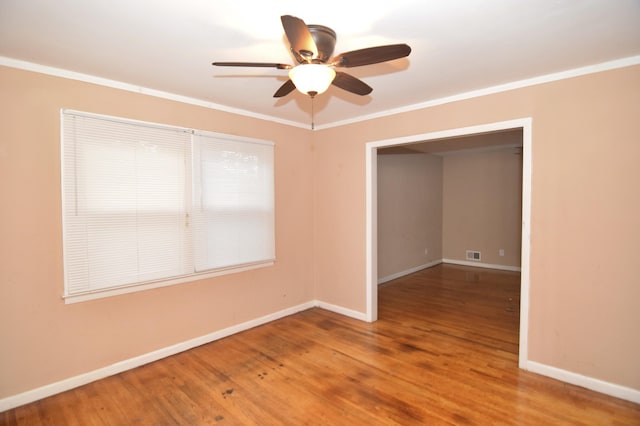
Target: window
[(146, 205)]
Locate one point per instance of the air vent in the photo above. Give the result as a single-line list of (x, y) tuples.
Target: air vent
[(473, 255)]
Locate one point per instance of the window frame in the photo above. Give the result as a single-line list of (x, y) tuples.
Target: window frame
[(190, 187)]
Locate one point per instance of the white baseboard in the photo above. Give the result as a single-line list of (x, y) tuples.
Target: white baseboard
[(10, 402), (342, 311), (450, 261), (597, 385), (408, 271), (128, 364), (482, 265)]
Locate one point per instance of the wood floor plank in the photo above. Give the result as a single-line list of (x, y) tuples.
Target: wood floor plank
[(444, 351)]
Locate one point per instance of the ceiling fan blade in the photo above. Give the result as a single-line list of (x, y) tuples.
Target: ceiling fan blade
[(253, 64), (285, 89), (300, 39), (371, 55), (351, 84)]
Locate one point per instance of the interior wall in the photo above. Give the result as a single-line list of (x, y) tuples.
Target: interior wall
[(409, 212), (584, 230), (482, 205), (585, 213), (45, 340)]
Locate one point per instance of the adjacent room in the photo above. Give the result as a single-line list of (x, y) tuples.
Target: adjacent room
[(449, 201)]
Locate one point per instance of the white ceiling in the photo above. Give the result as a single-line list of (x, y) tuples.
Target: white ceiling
[(457, 46)]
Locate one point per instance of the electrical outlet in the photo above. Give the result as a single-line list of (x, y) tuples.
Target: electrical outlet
[(501, 252), (426, 251)]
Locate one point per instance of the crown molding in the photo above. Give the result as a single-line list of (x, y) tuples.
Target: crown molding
[(562, 75)]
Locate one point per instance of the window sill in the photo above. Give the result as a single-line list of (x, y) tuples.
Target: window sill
[(148, 285)]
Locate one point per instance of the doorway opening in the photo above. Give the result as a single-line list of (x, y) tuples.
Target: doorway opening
[(441, 137)]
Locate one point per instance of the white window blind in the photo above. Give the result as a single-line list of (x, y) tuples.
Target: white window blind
[(233, 202), (145, 203)]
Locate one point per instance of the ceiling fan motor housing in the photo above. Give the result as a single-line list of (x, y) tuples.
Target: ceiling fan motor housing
[(325, 39)]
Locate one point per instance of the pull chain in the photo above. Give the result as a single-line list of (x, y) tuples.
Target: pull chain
[(312, 114)]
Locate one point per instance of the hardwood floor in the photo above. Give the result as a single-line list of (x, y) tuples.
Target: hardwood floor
[(444, 351)]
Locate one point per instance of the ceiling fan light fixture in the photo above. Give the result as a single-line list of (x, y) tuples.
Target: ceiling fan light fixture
[(312, 79)]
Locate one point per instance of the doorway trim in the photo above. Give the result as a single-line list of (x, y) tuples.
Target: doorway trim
[(372, 221)]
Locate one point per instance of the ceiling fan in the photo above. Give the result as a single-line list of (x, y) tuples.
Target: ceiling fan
[(312, 47)]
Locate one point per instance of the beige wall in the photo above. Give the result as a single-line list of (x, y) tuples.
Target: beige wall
[(585, 221), (482, 199), (42, 340), (584, 228), (409, 212), (447, 204)]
